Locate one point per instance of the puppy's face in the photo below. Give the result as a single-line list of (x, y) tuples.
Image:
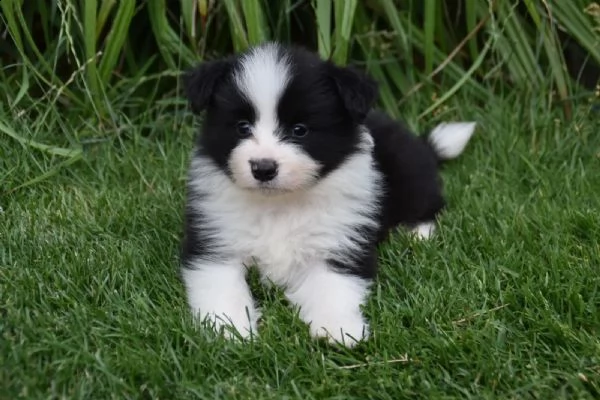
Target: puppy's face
[(278, 119)]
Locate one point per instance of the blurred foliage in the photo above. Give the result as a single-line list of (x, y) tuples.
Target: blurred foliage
[(108, 58)]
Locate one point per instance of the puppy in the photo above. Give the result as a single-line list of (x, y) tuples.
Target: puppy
[(295, 173)]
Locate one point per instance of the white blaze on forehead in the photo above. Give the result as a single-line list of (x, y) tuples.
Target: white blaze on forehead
[(262, 77)]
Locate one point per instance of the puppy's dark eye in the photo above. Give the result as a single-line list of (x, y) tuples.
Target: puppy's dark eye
[(244, 129), (299, 130)]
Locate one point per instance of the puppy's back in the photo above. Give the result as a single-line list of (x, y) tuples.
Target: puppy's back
[(413, 192)]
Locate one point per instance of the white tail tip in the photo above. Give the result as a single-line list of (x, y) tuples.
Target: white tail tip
[(450, 139)]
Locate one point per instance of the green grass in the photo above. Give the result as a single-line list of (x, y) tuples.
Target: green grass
[(114, 49), (503, 303)]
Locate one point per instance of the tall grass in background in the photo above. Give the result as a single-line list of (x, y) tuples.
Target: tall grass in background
[(109, 61)]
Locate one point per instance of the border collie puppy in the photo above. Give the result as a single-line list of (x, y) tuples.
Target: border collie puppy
[(293, 172)]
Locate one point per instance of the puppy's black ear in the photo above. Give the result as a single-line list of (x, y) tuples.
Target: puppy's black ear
[(357, 91), (200, 82)]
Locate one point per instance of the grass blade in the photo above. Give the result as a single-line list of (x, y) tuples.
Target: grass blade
[(239, 37), (115, 39), (255, 21), (105, 9), (471, 14), (429, 25), (323, 14), (344, 19), (188, 11), (170, 45), (90, 8)]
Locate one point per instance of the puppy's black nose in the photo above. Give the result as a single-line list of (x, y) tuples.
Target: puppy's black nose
[(264, 169)]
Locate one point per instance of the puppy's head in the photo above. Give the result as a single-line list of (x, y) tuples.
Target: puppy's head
[(279, 119)]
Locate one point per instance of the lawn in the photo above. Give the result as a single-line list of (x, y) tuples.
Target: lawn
[(503, 303)]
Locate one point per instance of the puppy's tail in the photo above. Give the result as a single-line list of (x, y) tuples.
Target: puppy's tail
[(448, 140)]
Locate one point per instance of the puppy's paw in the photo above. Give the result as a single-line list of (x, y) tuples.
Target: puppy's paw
[(219, 297), (347, 330), (233, 323), (424, 230), (330, 303)]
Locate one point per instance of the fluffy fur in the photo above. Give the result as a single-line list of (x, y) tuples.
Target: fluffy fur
[(295, 173)]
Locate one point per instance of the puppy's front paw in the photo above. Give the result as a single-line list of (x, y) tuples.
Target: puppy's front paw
[(347, 330), (424, 230), (233, 322), (219, 296), (330, 303)]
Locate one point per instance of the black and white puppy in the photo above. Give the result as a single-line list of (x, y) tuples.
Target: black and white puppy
[(295, 173)]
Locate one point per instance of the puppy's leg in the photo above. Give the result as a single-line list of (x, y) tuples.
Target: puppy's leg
[(330, 303), (219, 292)]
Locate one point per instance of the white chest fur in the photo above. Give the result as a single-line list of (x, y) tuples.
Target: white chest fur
[(286, 234)]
